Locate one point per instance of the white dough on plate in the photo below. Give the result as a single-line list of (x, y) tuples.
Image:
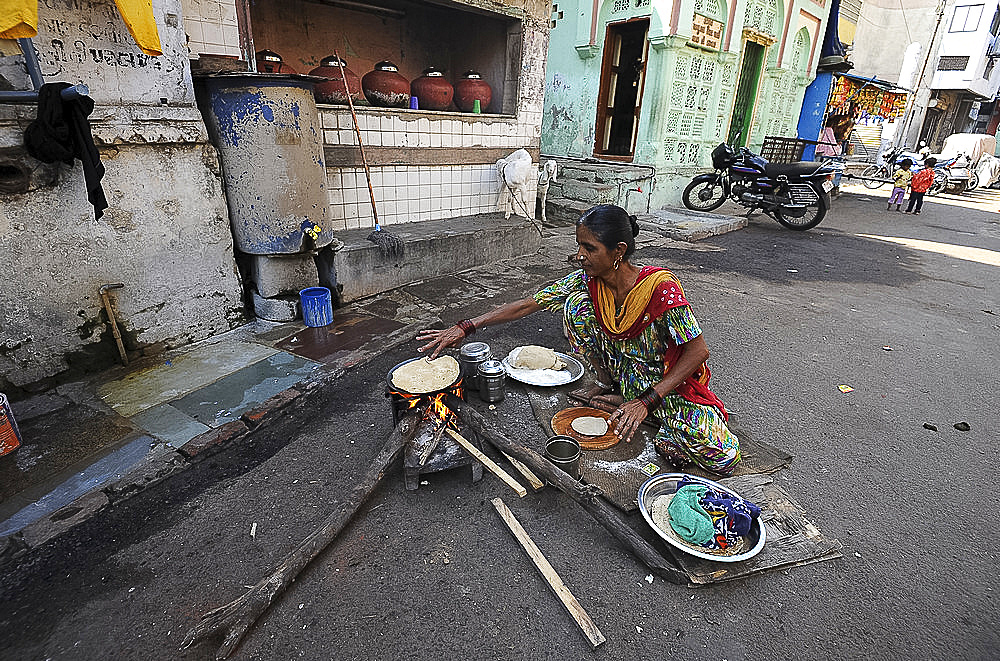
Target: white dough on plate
[(533, 357), (590, 426)]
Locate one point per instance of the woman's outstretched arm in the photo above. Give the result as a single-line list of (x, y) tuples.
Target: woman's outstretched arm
[(440, 339)]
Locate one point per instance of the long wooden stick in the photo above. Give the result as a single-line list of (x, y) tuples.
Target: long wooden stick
[(357, 130), (489, 463), (532, 479), (590, 630), (587, 496), (237, 617)]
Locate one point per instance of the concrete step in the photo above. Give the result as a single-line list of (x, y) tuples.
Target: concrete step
[(591, 193), (685, 225), (431, 248), (563, 211)]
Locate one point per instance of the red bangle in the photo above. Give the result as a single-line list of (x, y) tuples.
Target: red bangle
[(467, 327), (650, 399)]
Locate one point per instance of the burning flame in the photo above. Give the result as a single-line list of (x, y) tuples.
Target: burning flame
[(438, 410)]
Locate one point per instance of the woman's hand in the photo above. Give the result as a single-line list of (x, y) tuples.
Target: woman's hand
[(627, 418), (440, 339)]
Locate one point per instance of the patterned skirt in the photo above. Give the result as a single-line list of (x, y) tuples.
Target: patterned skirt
[(689, 433)]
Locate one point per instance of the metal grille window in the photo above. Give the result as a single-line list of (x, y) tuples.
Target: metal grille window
[(687, 127), (953, 63), (966, 18)]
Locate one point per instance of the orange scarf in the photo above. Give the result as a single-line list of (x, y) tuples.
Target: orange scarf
[(655, 291)]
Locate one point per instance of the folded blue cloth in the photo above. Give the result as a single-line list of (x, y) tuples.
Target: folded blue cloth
[(732, 517)]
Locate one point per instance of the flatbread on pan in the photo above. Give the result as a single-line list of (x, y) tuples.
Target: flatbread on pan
[(423, 376), (590, 425)]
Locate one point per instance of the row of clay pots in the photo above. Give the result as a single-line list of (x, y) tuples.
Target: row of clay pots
[(386, 87)]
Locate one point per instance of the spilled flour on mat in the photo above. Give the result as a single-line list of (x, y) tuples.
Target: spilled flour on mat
[(648, 455)]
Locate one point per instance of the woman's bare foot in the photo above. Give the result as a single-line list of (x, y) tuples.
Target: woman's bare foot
[(614, 399)]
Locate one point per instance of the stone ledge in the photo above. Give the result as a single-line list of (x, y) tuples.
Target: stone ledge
[(155, 468), (58, 522), (431, 248), (270, 409), (212, 441)]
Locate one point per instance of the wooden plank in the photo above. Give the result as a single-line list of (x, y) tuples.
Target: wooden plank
[(489, 463), (349, 156), (590, 630), (533, 480)]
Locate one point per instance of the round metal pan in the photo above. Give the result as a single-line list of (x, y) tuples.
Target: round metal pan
[(394, 388)]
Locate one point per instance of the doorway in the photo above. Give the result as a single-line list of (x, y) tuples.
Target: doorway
[(746, 94), (622, 77)]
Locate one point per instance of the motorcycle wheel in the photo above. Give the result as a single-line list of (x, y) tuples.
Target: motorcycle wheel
[(876, 171), (973, 182), (704, 195), (811, 216)]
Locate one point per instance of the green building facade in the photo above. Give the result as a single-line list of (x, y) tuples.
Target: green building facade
[(662, 82)]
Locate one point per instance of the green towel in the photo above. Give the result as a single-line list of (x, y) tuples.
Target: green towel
[(688, 518)]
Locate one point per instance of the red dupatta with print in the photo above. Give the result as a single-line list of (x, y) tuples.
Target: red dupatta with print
[(655, 291)]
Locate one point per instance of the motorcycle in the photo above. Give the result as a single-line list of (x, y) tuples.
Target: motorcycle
[(797, 195), (951, 173)]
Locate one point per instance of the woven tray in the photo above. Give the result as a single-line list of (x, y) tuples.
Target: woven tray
[(562, 424)]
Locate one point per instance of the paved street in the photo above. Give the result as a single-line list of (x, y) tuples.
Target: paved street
[(432, 574)]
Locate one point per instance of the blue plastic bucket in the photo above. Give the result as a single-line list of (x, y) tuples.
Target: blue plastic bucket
[(317, 306)]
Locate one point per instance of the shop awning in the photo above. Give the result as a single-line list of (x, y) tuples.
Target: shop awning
[(19, 19)]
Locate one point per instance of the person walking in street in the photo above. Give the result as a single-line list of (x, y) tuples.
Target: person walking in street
[(900, 180), (920, 184), (635, 327)]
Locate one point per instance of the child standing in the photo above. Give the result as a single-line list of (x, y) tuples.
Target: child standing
[(920, 184), (900, 180)]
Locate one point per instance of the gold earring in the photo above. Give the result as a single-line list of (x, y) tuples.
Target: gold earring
[(618, 262)]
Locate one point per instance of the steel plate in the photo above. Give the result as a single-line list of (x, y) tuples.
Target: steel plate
[(666, 484), (569, 374)]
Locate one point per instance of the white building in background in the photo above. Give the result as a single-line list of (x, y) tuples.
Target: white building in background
[(965, 77), (946, 50)]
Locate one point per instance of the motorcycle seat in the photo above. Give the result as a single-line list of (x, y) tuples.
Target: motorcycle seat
[(800, 169)]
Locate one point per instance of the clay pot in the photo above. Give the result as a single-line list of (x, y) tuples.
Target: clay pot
[(433, 92), (270, 62), (332, 89), (472, 87), (384, 86)]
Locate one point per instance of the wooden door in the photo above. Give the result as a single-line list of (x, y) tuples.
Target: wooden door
[(746, 94), (619, 101)]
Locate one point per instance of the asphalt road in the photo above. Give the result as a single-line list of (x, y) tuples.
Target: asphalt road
[(432, 574)]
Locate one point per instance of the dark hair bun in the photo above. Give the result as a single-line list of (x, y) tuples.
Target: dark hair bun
[(635, 225)]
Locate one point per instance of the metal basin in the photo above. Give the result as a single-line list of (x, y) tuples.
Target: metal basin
[(666, 484)]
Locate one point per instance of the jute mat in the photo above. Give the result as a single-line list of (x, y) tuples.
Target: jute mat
[(620, 470)]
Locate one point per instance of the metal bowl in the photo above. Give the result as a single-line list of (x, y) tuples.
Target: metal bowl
[(666, 484)]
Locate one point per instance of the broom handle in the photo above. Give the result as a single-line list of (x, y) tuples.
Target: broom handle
[(357, 130)]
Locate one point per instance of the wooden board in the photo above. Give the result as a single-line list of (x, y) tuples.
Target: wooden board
[(587, 626), (562, 424), (792, 540)]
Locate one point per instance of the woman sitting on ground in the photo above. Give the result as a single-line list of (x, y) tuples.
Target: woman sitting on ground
[(635, 328)]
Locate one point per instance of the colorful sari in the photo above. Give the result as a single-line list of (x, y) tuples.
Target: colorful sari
[(638, 345)]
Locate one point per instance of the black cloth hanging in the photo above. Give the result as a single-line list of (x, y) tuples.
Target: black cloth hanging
[(61, 132)]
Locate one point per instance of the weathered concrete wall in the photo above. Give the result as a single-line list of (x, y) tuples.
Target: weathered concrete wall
[(166, 233)]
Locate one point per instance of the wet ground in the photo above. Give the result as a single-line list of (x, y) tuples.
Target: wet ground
[(788, 317)]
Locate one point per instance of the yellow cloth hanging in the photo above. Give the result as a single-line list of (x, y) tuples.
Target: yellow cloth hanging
[(18, 19), (139, 20)]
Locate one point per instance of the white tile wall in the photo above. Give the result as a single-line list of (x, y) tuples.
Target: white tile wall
[(414, 193), (211, 27)]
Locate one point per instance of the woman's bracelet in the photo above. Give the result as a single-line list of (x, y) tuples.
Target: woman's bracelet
[(601, 384), (650, 399), (467, 327)]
